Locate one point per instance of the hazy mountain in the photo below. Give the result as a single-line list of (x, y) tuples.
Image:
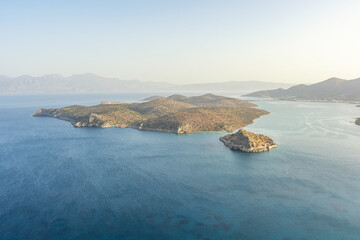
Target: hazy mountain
[(91, 83), (333, 89), (232, 86), (82, 83)]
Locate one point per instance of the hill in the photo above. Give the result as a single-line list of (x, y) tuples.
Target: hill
[(163, 114), (80, 83), (92, 83), (211, 100), (217, 119), (160, 106), (333, 89)]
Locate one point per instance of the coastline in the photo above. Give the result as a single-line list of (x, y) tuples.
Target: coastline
[(298, 100)]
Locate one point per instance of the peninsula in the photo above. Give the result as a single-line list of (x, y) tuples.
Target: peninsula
[(248, 142), (174, 114), (331, 90)]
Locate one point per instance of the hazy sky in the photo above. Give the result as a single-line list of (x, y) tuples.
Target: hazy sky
[(183, 41)]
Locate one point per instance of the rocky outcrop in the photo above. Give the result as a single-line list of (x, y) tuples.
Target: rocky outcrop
[(44, 112), (94, 120), (52, 112), (248, 142), (357, 121)]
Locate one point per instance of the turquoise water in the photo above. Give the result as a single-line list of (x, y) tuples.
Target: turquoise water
[(61, 182)]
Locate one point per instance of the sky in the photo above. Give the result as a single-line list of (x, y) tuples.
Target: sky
[(187, 41)]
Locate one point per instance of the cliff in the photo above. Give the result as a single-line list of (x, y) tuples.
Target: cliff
[(248, 142)]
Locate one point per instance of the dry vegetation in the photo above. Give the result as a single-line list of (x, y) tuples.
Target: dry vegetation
[(177, 113), (248, 142)]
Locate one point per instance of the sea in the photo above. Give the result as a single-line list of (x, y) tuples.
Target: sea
[(60, 182)]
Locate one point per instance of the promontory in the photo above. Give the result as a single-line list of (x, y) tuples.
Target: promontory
[(175, 114), (248, 142)]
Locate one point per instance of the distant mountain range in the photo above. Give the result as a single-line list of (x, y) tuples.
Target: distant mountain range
[(91, 83), (333, 89)]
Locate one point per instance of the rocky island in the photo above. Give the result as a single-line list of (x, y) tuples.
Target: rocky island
[(248, 142), (175, 114)]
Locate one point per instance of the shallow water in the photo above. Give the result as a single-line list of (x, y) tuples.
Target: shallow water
[(61, 182)]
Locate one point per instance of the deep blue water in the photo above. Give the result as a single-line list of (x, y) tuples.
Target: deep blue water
[(61, 182)]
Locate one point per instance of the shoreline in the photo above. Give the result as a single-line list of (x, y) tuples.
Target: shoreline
[(301, 100)]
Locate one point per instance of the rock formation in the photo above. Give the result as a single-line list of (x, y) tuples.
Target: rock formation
[(248, 142)]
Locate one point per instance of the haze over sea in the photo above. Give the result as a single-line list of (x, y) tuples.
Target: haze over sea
[(61, 182)]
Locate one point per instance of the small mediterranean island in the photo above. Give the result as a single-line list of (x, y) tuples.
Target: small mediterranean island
[(246, 141), (174, 114)]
